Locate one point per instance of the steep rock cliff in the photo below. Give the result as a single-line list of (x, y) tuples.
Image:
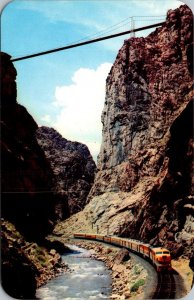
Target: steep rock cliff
[(143, 188), (26, 176), (148, 86), (27, 198), (73, 168), (147, 133)]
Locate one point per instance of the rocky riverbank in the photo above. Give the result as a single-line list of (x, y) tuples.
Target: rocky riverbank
[(128, 277), (52, 268), (27, 265)]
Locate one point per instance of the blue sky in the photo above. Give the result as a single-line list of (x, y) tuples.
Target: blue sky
[(66, 90)]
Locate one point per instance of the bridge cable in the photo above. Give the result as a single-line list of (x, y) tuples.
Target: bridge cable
[(87, 42)]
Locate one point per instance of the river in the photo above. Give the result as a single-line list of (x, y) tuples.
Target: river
[(88, 279)]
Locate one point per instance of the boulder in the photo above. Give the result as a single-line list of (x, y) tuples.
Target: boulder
[(122, 256)]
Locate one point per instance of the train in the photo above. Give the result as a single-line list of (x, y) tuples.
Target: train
[(158, 256)]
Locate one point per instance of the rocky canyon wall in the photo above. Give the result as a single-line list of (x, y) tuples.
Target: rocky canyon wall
[(143, 187), (26, 177), (149, 85), (27, 197), (73, 168)]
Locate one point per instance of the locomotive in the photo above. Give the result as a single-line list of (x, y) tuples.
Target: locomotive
[(158, 256)]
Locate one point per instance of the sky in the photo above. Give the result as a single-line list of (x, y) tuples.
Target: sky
[(66, 90)]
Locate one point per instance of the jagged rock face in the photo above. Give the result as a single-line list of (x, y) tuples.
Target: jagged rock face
[(26, 265), (147, 146), (148, 86), (72, 165), (18, 271), (27, 198)]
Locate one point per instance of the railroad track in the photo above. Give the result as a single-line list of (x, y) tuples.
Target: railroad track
[(166, 287)]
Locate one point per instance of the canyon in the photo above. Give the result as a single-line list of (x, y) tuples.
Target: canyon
[(142, 186)]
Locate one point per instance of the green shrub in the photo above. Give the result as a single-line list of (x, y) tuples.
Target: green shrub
[(137, 270), (136, 285)]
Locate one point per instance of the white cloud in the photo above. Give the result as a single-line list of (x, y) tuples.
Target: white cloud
[(81, 105), (46, 118)]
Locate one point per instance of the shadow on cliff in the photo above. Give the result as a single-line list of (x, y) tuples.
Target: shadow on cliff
[(170, 202), (28, 199)]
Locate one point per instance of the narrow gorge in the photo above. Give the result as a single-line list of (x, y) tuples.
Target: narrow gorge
[(142, 186)]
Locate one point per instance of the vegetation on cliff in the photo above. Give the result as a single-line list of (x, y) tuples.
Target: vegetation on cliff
[(25, 265)]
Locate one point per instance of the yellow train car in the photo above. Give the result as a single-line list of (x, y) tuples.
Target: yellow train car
[(161, 258), (99, 237), (134, 245), (90, 236), (116, 241), (107, 239), (144, 249), (128, 243), (84, 236), (79, 235)]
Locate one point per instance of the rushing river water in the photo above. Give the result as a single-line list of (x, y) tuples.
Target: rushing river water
[(89, 279)]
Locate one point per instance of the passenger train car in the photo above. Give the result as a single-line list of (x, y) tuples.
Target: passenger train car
[(159, 256)]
